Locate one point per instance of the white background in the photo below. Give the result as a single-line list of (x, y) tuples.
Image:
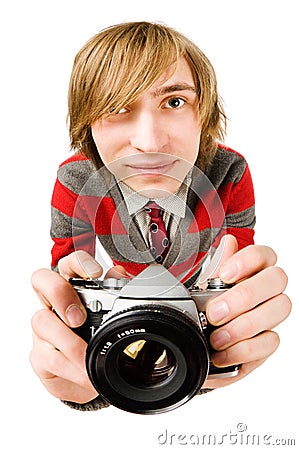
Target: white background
[(253, 46)]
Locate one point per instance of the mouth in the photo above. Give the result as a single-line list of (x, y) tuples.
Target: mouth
[(152, 168)]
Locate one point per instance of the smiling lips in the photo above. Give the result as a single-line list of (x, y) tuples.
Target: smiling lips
[(153, 168)]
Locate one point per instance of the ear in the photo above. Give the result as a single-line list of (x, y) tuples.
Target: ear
[(228, 246)]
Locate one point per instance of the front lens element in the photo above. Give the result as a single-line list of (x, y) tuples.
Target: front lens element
[(146, 363)]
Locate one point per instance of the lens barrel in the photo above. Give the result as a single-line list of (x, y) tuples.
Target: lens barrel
[(148, 359)]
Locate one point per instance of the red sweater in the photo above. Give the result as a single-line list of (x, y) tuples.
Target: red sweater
[(87, 204)]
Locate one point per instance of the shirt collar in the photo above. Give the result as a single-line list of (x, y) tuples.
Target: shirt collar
[(173, 204)]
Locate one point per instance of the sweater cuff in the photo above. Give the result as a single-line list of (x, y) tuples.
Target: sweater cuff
[(99, 403), (204, 391), (93, 405)]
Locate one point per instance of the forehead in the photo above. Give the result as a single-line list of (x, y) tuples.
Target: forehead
[(178, 73)]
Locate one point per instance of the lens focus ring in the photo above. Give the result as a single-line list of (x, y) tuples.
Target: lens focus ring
[(148, 358)]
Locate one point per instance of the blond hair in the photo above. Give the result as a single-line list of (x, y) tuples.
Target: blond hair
[(122, 62)]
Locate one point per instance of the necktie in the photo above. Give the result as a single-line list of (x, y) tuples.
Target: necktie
[(160, 241)]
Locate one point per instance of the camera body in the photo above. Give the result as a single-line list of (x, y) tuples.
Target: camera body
[(148, 339)]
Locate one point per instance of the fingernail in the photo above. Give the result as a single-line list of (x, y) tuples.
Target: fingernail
[(91, 267), (75, 315), (228, 271), (219, 358), (218, 311), (219, 339)]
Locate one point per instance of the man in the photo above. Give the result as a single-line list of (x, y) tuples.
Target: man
[(145, 121)]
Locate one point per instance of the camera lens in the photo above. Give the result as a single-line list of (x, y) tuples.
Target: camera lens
[(148, 359), (146, 363)]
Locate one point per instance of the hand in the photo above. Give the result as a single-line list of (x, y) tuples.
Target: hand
[(58, 354), (247, 313)]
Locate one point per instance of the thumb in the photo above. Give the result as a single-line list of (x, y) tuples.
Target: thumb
[(116, 272), (58, 294), (228, 246), (79, 263)]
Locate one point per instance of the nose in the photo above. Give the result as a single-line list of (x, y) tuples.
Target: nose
[(149, 133)]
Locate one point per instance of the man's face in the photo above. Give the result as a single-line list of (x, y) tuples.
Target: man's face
[(152, 143)]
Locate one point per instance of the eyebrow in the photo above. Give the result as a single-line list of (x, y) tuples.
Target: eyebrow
[(173, 88)]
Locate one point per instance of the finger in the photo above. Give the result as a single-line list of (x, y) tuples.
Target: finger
[(68, 391), (254, 349), (246, 295), (48, 362), (247, 262), (117, 272), (57, 293), (245, 369), (48, 327), (60, 377), (264, 317), (81, 264), (227, 247)]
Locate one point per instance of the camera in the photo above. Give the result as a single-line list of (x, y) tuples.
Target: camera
[(148, 339)]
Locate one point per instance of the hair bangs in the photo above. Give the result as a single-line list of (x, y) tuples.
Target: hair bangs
[(135, 63)]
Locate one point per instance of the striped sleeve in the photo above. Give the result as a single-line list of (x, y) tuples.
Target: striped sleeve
[(230, 175), (69, 233), (240, 214)]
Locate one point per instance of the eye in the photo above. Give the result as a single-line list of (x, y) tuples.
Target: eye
[(174, 103), (122, 111), (114, 112)]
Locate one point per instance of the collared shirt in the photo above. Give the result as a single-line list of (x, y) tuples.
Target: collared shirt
[(173, 207)]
